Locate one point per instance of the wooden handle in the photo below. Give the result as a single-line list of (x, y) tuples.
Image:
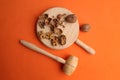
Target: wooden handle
[(85, 47), (37, 49)]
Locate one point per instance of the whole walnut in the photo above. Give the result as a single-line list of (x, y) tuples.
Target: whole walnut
[(71, 18), (85, 27)]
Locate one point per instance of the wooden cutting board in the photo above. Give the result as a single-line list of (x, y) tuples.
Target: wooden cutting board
[(71, 30)]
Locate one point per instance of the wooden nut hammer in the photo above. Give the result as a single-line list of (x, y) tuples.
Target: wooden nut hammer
[(69, 65)]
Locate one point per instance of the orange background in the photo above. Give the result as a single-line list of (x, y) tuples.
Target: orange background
[(17, 21)]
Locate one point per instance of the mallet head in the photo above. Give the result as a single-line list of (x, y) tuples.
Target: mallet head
[(70, 65)]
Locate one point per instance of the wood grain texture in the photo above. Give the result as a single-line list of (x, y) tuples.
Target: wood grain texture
[(71, 30)]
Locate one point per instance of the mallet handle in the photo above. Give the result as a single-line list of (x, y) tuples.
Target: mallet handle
[(37, 49), (85, 47)]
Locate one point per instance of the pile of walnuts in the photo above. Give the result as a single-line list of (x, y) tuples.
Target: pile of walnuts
[(55, 35)]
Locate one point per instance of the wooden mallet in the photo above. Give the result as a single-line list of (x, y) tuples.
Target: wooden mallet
[(69, 65)]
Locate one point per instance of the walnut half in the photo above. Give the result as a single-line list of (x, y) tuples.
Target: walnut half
[(48, 35), (62, 40), (41, 35), (57, 31), (43, 20), (54, 41)]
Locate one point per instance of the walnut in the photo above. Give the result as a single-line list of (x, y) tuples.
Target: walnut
[(85, 27), (41, 35), (41, 23), (57, 31), (43, 16), (43, 20), (62, 39), (64, 14), (54, 41), (57, 21), (51, 37), (47, 35), (59, 16), (52, 23), (47, 21), (71, 18)]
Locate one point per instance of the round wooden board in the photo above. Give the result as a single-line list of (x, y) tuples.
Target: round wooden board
[(71, 30)]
